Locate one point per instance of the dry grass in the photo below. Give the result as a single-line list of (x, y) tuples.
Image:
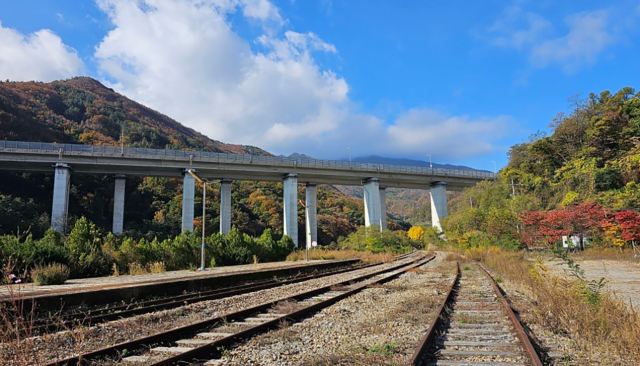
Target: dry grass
[(606, 253), (340, 288), (604, 325), (18, 342), (156, 267), (455, 257), (136, 268), (365, 256), (286, 307)]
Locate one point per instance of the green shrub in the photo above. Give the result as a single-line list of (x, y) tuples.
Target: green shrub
[(376, 241), (50, 274)]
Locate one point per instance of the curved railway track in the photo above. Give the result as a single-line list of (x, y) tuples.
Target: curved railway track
[(476, 326), (201, 342)]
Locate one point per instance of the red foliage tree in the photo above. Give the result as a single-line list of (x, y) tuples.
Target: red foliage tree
[(629, 222), (550, 226)]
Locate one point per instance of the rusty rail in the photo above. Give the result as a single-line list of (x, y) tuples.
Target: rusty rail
[(519, 329), (435, 323)]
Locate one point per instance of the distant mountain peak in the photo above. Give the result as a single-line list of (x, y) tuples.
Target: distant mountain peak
[(375, 159)]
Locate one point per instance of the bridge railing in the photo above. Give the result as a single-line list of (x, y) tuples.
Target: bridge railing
[(204, 156)]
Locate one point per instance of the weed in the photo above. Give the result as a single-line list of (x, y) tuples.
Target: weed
[(387, 349), (286, 307), (156, 267), (575, 307), (224, 351), (591, 290), (114, 271), (135, 268), (51, 274)]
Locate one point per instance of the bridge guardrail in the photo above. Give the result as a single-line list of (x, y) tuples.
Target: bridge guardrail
[(204, 156)]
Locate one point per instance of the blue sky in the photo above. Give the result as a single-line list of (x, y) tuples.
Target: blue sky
[(461, 81)]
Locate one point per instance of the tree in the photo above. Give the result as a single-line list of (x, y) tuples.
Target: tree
[(575, 220), (629, 222), (416, 233)]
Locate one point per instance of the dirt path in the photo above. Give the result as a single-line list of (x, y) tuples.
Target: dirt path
[(622, 277)]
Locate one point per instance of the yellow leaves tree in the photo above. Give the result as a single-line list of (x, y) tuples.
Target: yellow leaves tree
[(612, 232), (416, 233)]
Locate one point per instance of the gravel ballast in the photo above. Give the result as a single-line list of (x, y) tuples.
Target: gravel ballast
[(380, 325)]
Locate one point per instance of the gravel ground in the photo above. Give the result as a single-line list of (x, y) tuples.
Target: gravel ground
[(378, 326), (623, 277), (83, 339)]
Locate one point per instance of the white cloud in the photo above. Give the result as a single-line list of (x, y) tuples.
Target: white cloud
[(262, 10), (517, 28), (589, 35), (38, 56), (184, 59), (453, 136)]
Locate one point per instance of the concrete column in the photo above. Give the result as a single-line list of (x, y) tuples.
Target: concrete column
[(118, 205), (383, 207), (290, 185), (188, 200), (372, 207), (225, 206), (311, 214), (438, 203), (60, 207)]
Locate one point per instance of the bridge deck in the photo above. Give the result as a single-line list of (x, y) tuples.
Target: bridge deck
[(36, 156)]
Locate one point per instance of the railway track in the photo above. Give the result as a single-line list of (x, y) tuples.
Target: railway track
[(476, 326), (110, 313), (202, 342)]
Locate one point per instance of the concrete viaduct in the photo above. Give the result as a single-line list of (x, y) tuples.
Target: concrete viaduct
[(63, 159)]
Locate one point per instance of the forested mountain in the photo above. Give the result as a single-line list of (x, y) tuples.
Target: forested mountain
[(82, 110), (579, 179)]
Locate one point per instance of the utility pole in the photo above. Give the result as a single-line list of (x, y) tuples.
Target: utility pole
[(204, 212), (513, 188), (513, 195)]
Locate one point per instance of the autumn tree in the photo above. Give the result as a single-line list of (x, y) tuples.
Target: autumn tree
[(629, 222), (575, 220), (416, 233)]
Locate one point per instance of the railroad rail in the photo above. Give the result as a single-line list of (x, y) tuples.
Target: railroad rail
[(110, 313), (204, 340), (476, 326)]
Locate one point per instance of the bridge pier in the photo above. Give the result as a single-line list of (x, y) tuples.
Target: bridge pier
[(188, 201), (290, 201), (438, 203), (60, 206), (311, 214), (372, 207), (225, 206), (383, 208), (118, 205)]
